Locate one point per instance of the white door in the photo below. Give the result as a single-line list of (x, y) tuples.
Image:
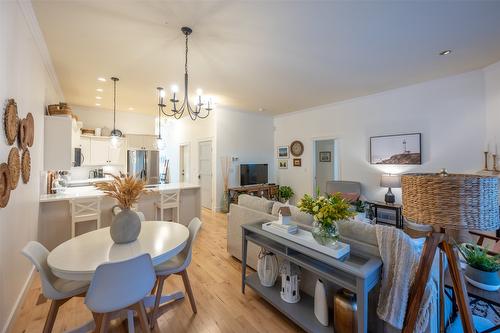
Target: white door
[(205, 173), (99, 151), (184, 164), (324, 162)]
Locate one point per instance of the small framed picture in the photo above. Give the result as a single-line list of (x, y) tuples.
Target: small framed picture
[(325, 156), (297, 162), (283, 164), (283, 152)]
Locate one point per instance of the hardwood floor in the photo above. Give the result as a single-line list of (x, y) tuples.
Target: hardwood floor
[(216, 281)]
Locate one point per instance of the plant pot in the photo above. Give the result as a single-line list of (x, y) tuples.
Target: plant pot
[(489, 281), (125, 227), (325, 235)]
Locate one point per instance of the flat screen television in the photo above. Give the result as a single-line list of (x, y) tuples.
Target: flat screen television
[(251, 174)]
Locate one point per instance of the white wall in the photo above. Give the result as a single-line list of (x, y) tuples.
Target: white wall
[(127, 122), (24, 77), (450, 114), (247, 136), (492, 96)]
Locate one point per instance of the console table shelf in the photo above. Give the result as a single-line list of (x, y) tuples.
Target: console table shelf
[(357, 272), (300, 313)]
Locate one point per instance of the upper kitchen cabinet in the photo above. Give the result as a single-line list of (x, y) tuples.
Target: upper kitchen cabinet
[(58, 143), (141, 142), (102, 153)]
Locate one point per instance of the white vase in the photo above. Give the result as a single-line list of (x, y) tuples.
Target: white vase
[(320, 304), (267, 268)]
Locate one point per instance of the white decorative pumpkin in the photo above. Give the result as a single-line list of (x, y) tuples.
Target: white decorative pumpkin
[(320, 304), (267, 268)]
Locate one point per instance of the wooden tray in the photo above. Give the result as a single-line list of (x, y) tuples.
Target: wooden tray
[(11, 121), (26, 166), (14, 163), (305, 238), (4, 185)]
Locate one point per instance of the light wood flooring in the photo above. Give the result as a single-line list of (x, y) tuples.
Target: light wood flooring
[(216, 281)]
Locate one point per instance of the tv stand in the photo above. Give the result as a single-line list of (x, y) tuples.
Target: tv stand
[(268, 191)]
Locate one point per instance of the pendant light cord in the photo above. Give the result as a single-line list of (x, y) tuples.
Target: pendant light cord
[(186, 63), (114, 106)]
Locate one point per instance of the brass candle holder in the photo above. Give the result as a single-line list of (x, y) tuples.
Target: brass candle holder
[(485, 161), (494, 163)]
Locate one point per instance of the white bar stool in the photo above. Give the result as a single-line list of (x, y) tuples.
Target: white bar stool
[(83, 210), (168, 200)]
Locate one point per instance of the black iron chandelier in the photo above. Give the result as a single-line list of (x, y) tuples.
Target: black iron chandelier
[(199, 110)]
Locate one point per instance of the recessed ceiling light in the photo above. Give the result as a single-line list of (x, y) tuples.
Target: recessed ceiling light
[(98, 97), (445, 52), (131, 109), (99, 90), (101, 79), (97, 104)]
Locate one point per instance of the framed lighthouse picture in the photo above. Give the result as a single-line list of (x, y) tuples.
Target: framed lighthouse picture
[(396, 149)]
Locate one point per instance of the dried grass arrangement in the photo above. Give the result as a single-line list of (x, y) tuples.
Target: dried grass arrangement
[(126, 190)]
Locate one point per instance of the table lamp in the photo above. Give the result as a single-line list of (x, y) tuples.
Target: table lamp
[(390, 181), (447, 201)]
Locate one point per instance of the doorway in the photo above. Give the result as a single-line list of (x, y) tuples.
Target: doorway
[(325, 165), (205, 173), (184, 169)]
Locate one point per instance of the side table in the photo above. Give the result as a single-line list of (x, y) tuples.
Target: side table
[(395, 207)]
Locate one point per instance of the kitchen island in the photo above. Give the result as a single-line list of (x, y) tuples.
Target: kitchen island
[(54, 222)]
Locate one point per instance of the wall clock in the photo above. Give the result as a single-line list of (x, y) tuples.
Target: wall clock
[(297, 148)]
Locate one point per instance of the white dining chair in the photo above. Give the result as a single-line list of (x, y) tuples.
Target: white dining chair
[(84, 210), (121, 286), (169, 199), (59, 291), (177, 265)]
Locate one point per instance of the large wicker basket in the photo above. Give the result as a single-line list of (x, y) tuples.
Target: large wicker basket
[(454, 201)]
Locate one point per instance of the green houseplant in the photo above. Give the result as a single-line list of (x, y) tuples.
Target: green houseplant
[(285, 193), (482, 267), (326, 210)]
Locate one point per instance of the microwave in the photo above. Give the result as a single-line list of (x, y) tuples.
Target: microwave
[(78, 159)]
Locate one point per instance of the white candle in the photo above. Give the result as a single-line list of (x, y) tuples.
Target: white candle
[(487, 147)]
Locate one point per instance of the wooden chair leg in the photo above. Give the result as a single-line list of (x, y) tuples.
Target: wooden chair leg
[(51, 316), (159, 290), (106, 317), (189, 291), (143, 318), (97, 321)]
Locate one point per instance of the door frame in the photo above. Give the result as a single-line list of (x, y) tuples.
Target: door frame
[(213, 197), (188, 146), (337, 170)]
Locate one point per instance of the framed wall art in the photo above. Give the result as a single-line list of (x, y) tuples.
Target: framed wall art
[(297, 162), (283, 152), (283, 164), (325, 156), (396, 149)]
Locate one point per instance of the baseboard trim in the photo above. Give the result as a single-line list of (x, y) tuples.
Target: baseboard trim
[(19, 302)]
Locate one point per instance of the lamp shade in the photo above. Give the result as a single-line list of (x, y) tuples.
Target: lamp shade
[(392, 181), (454, 201)]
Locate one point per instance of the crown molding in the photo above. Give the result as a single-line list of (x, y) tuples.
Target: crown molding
[(34, 27)]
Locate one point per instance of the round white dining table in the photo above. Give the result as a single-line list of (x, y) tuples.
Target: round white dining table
[(78, 258)]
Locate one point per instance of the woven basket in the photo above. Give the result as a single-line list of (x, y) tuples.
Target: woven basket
[(455, 201)]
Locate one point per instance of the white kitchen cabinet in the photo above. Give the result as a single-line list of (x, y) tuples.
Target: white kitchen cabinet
[(102, 153), (141, 141), (116, 156), (57, 145), (85, 146)]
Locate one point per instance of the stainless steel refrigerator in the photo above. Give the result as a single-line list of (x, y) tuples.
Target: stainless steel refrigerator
[(144, 164)]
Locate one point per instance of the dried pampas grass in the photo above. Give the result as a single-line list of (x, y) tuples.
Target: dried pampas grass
[(126, 190)]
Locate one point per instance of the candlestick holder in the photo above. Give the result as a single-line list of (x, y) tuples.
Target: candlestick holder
[(494, 163), (485, 161)]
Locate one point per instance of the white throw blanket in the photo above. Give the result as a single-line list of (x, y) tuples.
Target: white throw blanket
[(400, 256)]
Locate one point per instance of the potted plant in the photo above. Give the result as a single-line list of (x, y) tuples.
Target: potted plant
[(326, 210), (285, 193), (126, 225), (482, 268)]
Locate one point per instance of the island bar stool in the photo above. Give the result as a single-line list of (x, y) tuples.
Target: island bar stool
[(59, 291), (118, 286), (83, 210), (177, 265), (169, 199)]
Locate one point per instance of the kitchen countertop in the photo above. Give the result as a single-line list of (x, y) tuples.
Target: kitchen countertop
[(93, 192)]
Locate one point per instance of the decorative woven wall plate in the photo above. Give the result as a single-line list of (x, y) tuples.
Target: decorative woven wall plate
[(10, 121), (23, 134), (26, 166), (4, 185), (14, 163), (31, 129)]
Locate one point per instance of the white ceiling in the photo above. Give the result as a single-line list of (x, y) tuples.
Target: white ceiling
[(277, 55)]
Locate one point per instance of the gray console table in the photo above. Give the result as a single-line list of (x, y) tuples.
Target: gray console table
[(357, 272)]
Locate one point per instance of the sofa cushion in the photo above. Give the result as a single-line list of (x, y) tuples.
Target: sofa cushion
[(255, 203), (359, 231), (297, 215)]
